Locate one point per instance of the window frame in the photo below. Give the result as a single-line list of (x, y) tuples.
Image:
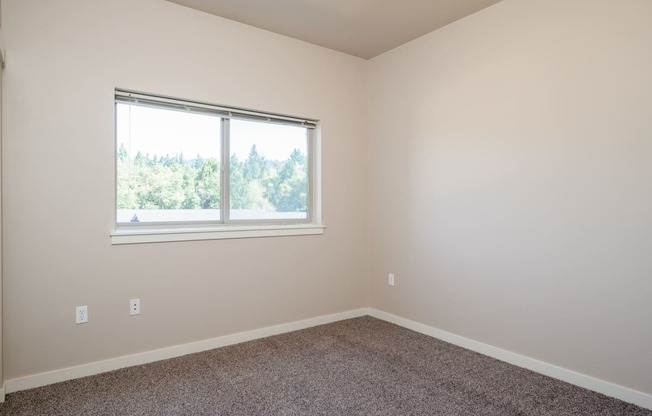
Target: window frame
[(225, 227)]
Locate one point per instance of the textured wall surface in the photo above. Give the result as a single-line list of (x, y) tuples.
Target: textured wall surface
[(511, 183), (66, 59), (499, 167)]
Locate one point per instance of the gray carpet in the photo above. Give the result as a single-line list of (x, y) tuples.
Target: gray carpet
[(360, 366)]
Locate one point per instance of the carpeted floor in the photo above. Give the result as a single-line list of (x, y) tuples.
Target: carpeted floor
[(360, 366)]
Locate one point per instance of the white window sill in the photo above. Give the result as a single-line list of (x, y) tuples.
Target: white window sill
[(160, 235)]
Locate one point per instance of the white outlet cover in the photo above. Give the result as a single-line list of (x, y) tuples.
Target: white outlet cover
[(81, 314), (134, 307), (391, 280)]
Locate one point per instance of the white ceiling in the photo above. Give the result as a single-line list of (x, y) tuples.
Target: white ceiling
[(363, 28)]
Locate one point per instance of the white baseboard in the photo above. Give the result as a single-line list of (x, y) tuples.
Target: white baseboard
[(578, 379), (69, 373), (609, 389)]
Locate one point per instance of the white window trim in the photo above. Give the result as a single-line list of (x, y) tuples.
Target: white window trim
[(141, 235), (162, 235)]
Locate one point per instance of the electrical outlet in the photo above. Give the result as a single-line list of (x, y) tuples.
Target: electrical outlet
[(134, 307), (81, 314), (390, 280)]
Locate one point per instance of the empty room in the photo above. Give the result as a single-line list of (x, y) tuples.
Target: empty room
[(318, 207)]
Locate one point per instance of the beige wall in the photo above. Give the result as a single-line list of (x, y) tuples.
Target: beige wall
[(67, 56), (507, 182), (510, 166)]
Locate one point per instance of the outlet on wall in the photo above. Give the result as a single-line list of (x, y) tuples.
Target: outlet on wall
[(390, 280), (81, 314), (134, 307)]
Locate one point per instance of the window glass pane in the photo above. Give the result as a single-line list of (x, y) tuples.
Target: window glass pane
[(269, 171), (168, 165)]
